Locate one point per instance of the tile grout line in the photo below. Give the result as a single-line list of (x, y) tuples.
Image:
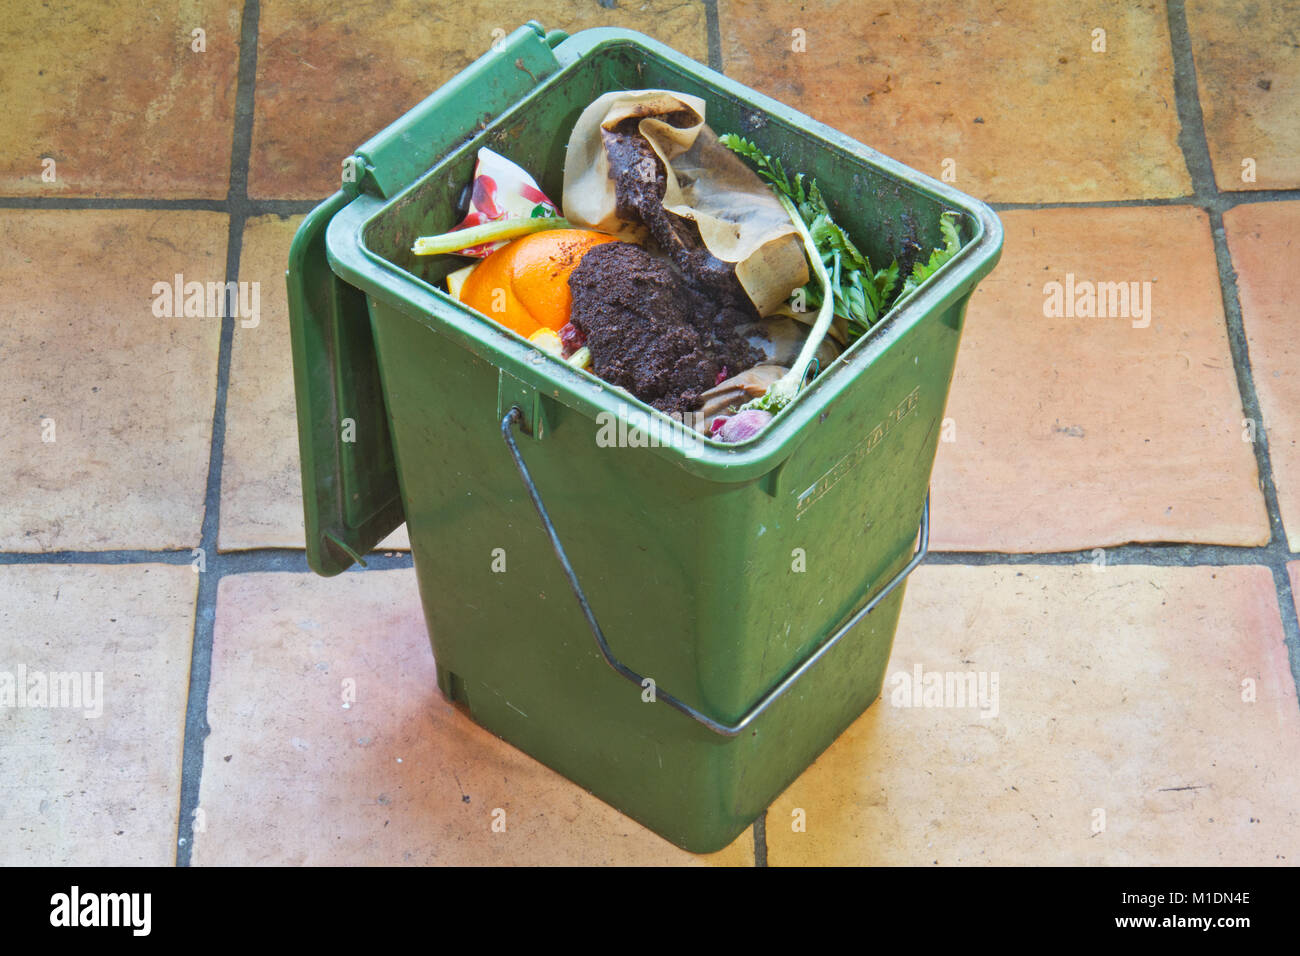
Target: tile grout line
[(284, 207), (1193, 141), (243, 561), (293, 558), (196, 722), (1158, 555), (713, 32), (1221, 201), (1286, 604)]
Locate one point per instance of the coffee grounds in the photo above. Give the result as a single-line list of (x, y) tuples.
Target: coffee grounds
[(651, 330), (640, 181), (664, 329)]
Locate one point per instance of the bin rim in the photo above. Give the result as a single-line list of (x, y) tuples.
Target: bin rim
[(355, 262)]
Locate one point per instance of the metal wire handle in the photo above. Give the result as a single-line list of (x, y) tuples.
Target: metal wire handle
[(515, 416)]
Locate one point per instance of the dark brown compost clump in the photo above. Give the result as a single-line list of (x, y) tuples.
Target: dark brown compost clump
[(652, 331), (639, 184), (662, 328)]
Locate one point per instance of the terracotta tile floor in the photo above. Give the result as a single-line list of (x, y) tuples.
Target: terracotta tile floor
[(1116, 500), (95, 784), (328, 78), (1055, 121), (1249, 56), (74, 91), (1265, 246), (106, 408), (1136, 707), (1072, 433)]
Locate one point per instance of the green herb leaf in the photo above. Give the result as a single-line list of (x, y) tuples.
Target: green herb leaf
[(861, 294), (923, 271)]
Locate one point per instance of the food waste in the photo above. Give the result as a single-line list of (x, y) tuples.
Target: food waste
[(675, 273)]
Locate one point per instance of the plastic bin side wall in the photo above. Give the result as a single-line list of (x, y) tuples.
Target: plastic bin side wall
[(692, 580)]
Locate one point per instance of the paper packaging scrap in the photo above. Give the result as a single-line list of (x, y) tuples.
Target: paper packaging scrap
[(501, 190), (739, 219)]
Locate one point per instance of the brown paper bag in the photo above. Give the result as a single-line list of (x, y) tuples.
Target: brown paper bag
[(739, 219)]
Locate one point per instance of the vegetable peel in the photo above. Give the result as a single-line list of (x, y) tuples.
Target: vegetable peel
[(459, 239), (783, 391)]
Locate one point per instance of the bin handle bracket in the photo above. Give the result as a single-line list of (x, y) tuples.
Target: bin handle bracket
[(516, 417)]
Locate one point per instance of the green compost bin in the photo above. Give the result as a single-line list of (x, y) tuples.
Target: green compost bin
[(681, 626)]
